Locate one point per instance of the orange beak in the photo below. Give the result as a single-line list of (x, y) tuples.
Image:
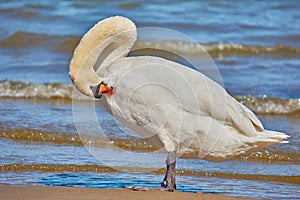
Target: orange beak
[(103, 89)]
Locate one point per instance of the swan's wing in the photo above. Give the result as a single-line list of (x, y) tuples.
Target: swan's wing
[(146, 81), (253, 118)]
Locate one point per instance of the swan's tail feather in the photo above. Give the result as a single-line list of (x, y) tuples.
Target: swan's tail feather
[(267, 138), (244, 145), (277, 136)]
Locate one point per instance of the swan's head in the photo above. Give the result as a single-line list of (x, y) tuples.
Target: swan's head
[(109, 40)]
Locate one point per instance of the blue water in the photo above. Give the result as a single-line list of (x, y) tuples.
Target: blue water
[(42, 36), (254, 189)]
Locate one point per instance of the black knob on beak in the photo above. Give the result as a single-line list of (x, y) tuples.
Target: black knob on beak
[(95, 90)]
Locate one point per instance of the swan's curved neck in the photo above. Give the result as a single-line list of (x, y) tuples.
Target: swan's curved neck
[(108, 41), (111, 49)]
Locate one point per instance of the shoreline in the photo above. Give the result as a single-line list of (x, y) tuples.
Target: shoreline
[(29, 192)]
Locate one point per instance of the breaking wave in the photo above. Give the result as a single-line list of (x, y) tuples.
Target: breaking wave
[(216, 50), (271, 105), (17, 89)]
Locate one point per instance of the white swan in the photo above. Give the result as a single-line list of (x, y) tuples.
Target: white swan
[(144, 93)]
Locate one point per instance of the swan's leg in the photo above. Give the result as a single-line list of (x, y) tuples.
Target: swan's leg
[(169, 182)]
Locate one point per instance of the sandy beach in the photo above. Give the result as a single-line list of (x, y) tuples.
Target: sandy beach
[(73, 193)]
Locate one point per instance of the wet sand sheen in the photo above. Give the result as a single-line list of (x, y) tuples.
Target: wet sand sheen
[(74, 193), (97, 168), (140, 145)]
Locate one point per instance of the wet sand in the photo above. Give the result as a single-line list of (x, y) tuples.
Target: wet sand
[(76, 193)]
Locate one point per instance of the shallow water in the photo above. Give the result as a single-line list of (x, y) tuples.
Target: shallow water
[(256, 50)]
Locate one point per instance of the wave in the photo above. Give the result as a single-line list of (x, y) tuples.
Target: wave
[(98, 168), (271, 105), (217, 50), (18, 89), (66, 44), (30, 135), (55, 43)]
